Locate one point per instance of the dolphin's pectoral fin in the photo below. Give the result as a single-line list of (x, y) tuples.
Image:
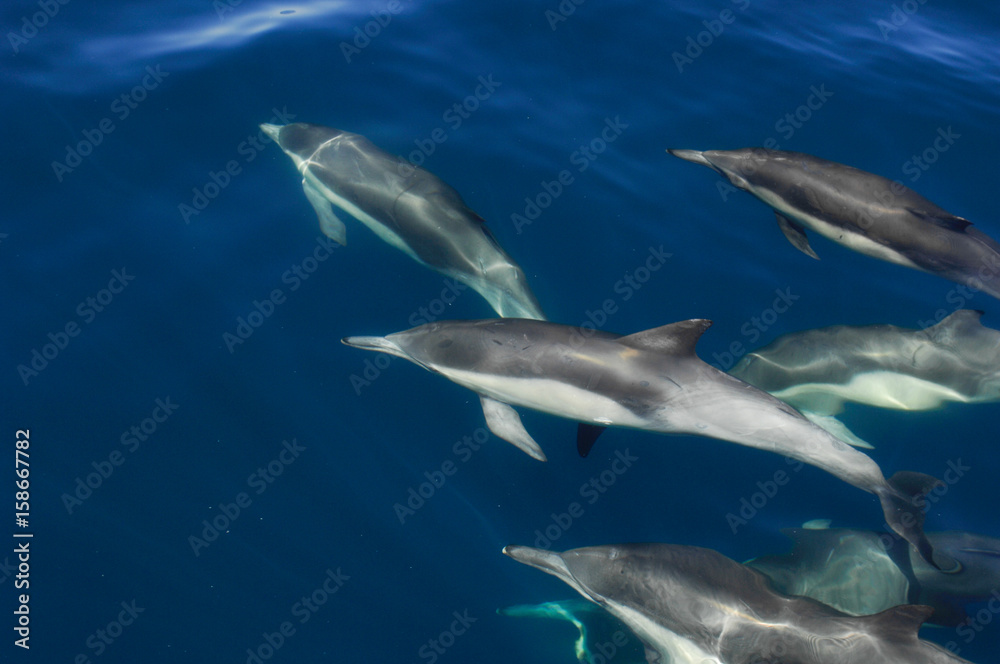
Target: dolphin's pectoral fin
[(949, 221), (586, 436), (837, 428), (506, 423), (737, 180), (331, 226), (796, 234)]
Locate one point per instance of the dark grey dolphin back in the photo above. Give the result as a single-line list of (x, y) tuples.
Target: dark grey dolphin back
[(672, 581), (843, 196), (626, 369), (508, 347)]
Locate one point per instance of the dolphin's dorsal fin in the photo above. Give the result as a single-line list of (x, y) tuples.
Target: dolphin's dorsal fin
[(955, 322), (796, 234), (946, 220), (675, 339), (586, 436), (901, 622)]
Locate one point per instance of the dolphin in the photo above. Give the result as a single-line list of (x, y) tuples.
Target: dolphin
[(601, 635), (650, 380), (817, 371), (408, 207), (862, 571), (862, 211), (690, 605)]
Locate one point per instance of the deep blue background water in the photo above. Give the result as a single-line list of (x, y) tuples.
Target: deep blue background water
[(889, 94)]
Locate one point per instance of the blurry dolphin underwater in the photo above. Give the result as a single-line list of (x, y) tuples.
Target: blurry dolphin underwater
[(690, 605), (406, 206), (861, 572), (817, 371), (600, 635), (865, 212), (651, 380)]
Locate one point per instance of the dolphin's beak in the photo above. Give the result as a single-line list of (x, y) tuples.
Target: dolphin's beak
[(371, 343), (550, 563), (692, 155), (271, 130), (547, 561), (386, 345), (381, 344)]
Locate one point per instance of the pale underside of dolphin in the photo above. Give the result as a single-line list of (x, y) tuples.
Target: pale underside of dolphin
[(407, 207), (690, 605), (652, 380), (818, 371), (861, 572), (865, 212)]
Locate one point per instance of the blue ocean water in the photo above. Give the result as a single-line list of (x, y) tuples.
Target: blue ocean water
[(144, 219)]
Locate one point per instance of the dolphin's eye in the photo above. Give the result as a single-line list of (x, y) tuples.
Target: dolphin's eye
[(444, 343)]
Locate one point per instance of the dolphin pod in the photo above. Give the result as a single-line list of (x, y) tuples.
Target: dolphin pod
[(406, 206), (690, 605), (865, 212), (817, 371), (652, 380)]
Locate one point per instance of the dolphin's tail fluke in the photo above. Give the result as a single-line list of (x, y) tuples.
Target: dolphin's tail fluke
[(903, 501)]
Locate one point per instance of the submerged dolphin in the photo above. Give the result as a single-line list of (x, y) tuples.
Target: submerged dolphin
[(862, 211), (601, 635), (862, 571), (651, 380), (408, 207), (817, 371), (695, 606)]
